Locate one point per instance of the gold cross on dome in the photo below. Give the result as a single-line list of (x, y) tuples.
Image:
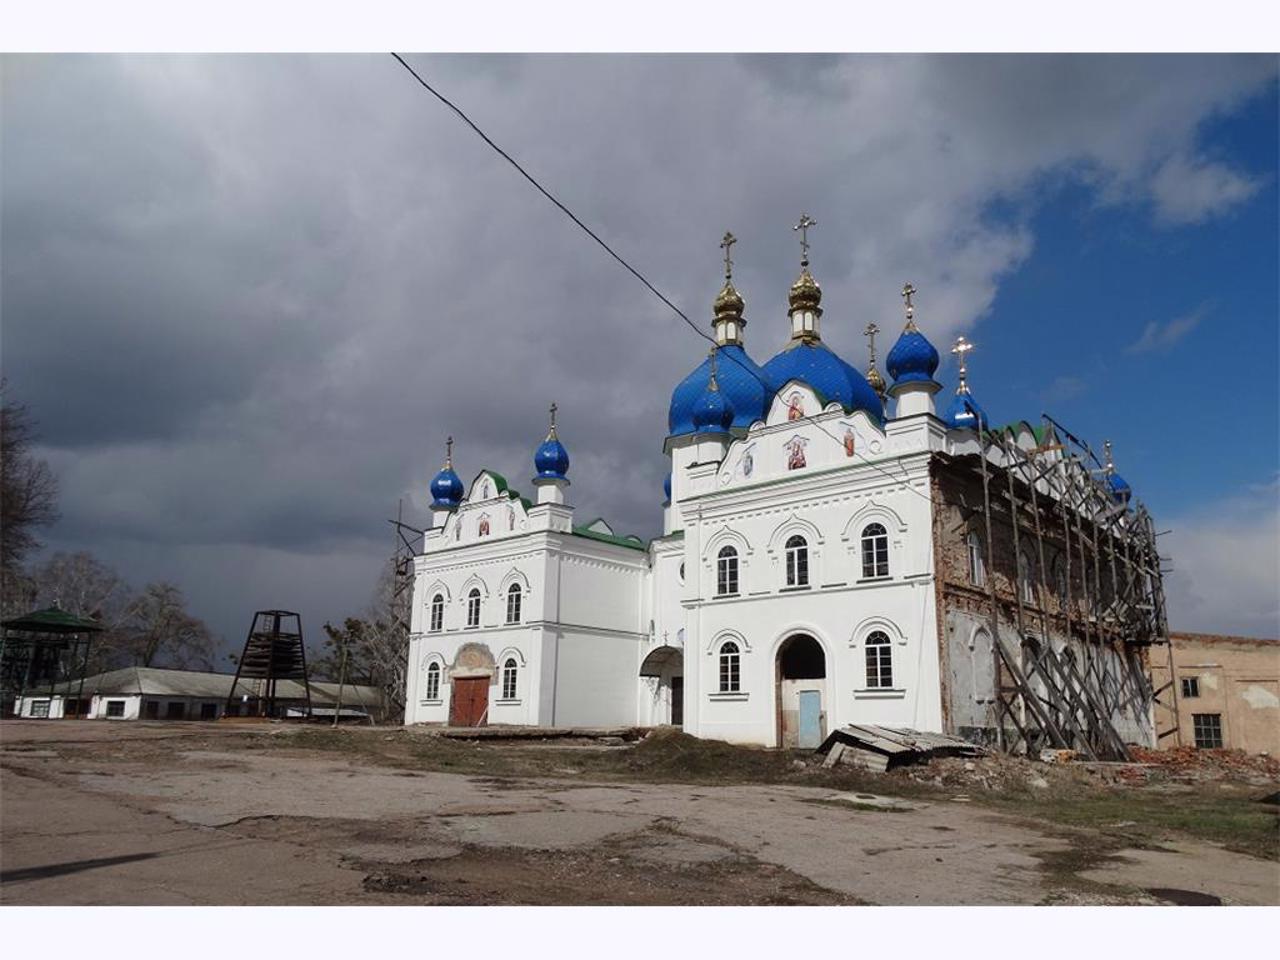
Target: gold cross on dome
[(961, 348), (871, 332), (803, 226), (1106, 448), (552, 434), (448, 452), (728, 241), (908, 291)]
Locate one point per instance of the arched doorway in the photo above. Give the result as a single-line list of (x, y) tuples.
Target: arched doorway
[(665, 664), (801, 672)]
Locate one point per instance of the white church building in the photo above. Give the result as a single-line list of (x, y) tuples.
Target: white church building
[(794, 589)]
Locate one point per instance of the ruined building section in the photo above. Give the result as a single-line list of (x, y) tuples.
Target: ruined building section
[(1050, 596)]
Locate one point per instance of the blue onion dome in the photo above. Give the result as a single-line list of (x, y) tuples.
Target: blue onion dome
[(912, 358), (713, 413), (551, 461), (964, 413), (1119, 487), (446, 486), (745, 387), (814, 363), (666, 487)]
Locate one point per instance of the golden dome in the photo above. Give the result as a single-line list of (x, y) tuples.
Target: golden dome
[(729, 303), (805, 292), (876, 381)]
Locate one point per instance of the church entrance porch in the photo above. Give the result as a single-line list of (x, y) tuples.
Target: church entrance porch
[(665, 664), (801, 671)]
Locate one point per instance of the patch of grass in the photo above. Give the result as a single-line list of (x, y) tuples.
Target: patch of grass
[(1144, 819)]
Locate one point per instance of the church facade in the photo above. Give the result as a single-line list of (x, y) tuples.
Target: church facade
[(798, 585)]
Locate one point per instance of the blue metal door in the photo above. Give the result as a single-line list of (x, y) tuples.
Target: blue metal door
[(810, 735)]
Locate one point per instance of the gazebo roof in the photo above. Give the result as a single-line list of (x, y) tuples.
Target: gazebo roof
[(52, 620)]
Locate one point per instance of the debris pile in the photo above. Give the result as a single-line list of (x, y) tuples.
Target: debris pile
[(879, 748), (1192, 763)]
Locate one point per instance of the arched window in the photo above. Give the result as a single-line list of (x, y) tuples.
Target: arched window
[(1025, 584), (437, 613), (433, 681), (473, 607), (514, 599), (977, 562), (879, 660), (727, 572), (730, 668), (509, 672), (797, 562), (875, 551)]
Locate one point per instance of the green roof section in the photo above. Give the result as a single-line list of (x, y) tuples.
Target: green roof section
[(52, 620), (632, 542)]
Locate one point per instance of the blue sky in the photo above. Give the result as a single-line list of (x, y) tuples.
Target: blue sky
[(1193, 410)]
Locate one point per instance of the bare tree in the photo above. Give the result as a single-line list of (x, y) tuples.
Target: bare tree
[(83, 585), (376, 646), (160, 628), (28, 497)]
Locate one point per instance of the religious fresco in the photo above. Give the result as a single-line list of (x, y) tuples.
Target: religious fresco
[(484, 525), (848, 441), (748, 463), (795, 411), (795, 453), (511, 518)]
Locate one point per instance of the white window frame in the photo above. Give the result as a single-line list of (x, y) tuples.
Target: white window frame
[(515, 603), (728, 571), (1190, 687), (796, 552), (878, 660), (433, 681), (510, 678), (436, 614), (977, 559), (730, 662), (874, 547), (473, 608)]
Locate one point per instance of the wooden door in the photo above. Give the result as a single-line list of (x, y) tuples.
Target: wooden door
[(469, 705)]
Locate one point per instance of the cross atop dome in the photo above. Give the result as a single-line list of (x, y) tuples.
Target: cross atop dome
[(908, 291), (728, 241), (729, 304), (803, 226), (961, 349)]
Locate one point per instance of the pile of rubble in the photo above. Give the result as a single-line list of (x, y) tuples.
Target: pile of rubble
[(1191, 763)]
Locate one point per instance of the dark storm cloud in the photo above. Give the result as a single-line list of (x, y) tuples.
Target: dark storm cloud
[(248, 297)]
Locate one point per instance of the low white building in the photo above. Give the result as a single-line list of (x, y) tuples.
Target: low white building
[(794, 588), (154, 693)]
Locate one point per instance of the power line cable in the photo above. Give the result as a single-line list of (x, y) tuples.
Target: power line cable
[(616, 256)]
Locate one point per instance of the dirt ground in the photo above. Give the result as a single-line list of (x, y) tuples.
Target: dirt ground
[(153, 813)]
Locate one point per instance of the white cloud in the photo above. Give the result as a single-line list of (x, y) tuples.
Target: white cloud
[(1158, 337), (1192, 189), (1226, 559)]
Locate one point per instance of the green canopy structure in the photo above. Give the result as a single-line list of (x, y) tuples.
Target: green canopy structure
[(44, 645)]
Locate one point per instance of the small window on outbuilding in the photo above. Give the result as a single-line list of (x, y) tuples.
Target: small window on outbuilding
[(39, 709), (115, 708), (1191, 686), (1207, 728)]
